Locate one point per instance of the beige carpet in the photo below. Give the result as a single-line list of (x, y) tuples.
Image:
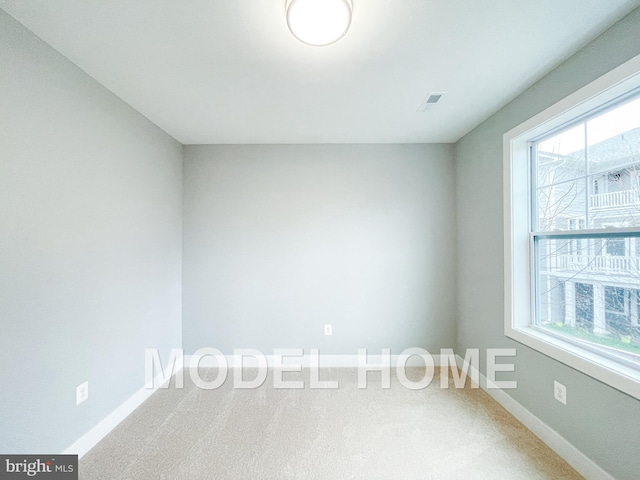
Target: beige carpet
[(348, 433)]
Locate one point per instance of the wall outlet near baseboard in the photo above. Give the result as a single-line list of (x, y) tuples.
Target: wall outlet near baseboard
[(560, 392), (328, 329), (82, 392)]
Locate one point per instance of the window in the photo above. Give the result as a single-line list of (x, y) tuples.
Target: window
[(616, 304), (615, 246), (572, 226)]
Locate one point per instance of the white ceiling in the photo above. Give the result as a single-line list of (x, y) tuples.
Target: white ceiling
[(213, 71)]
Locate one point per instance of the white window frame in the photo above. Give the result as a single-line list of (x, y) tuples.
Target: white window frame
[(519, 282)]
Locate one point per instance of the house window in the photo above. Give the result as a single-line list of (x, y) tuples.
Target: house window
[(616, 304), (572, 222), (615, 246)]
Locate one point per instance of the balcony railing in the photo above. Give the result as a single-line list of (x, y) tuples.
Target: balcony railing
[(624, 198), (594, 264)]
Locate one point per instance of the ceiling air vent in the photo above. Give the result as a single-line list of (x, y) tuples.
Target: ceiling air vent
[(430, 101)]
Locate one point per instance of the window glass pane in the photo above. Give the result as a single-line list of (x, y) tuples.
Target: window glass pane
[(562, 206), (613, 140), (561, 157), (588, 291), (614, 198), (591, 171)]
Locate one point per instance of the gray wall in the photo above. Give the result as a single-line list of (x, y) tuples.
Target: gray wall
[(279, 240), (599, 420), (90, 245)]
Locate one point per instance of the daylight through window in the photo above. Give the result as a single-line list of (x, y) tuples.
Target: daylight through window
[(585, 240)]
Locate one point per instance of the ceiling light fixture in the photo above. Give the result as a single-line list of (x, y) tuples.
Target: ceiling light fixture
[(318, 22)]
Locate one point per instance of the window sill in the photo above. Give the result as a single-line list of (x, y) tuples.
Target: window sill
[(621, 377)]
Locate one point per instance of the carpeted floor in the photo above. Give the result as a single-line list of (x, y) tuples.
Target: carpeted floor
[(347, 433)]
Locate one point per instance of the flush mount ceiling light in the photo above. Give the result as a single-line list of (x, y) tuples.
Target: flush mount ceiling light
[(318, 22)]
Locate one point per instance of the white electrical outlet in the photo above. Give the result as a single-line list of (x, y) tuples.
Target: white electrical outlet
[(328, 329), (560, 392), (82, 392)]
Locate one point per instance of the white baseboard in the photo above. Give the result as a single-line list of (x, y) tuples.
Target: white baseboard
[(574, 457), (102, 429), (325, 361)]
